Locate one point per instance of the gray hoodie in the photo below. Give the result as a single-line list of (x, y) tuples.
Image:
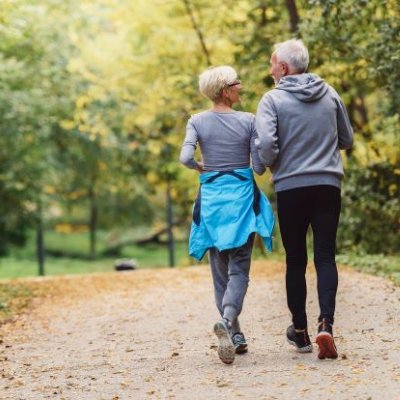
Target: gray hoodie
[(301, 126)]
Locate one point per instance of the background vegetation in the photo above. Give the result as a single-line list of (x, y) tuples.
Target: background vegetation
[(94, 99)]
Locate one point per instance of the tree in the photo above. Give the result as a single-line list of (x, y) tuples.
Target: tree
[(32, 81)]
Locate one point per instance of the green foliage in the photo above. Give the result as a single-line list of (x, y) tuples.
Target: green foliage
[(355, 47), (32, 100), (377, 264), (371, 209), (94, 107)]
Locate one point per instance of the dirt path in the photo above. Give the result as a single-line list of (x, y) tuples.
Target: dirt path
[(148, 335)]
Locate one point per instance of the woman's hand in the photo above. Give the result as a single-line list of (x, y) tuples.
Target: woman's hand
[(200, 167)]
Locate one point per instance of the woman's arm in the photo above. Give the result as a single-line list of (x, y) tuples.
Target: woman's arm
[(189, 147)]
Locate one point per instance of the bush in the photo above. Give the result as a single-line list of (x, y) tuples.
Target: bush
[(370, 218)]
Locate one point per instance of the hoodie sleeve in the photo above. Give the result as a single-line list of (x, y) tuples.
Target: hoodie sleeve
[(267, 130), (189, 146), (258, 166), (345, 131)]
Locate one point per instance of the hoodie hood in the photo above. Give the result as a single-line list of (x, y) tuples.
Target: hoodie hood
[(305, 87)]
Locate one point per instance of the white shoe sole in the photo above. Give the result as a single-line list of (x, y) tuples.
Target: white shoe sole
[(305, 349), (226, 349)]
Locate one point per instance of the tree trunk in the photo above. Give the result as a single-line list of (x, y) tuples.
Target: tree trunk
[(92, 220), (3, 239), (294, 15), (363, 110), (40, 241), (171, 244), (263, 21)]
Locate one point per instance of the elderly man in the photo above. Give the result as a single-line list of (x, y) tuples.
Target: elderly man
[(302, 123)]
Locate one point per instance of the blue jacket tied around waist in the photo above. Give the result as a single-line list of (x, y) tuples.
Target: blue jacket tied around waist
[(228, 208)]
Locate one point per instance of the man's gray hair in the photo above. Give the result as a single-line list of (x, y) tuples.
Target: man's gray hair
[(214, 79), (294, 53)]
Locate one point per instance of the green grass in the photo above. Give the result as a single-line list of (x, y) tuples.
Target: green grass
[(148, 256), (75, 247), (75, 244), (22, 262), (376, 264)]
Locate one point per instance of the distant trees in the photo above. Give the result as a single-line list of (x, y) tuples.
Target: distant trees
[(94, 107), (33, 99), (356, 46)]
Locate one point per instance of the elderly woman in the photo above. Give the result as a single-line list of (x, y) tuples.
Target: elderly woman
[(229, 208)]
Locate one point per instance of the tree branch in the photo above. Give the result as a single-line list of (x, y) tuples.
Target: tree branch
[(198, 31)]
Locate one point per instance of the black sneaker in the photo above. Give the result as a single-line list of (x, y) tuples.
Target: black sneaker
[(300, 340), (325, 342), (226, 349), (239, 341)]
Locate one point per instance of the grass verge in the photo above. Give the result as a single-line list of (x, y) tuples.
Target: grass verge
[(14, 299), (376, 264)]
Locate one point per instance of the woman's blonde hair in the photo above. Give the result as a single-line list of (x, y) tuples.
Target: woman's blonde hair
[(214, 79)]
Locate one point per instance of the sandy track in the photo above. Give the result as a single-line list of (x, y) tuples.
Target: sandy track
[(148, 335)]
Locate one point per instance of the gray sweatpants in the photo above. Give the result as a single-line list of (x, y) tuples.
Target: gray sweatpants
[(230, 272)]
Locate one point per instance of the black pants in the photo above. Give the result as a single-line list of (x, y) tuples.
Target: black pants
[(318, 206)]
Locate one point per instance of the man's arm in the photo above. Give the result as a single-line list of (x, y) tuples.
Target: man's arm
[(345, 131), (267, 130)]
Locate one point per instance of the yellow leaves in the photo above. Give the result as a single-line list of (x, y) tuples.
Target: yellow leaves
[(148, 54), (67, 125), (91, 124), (393, 189), (78, 66), (84, 128), (73, 36), (49, 189), (357, 371), (76, 194), (270, 12), (144, 118), (155, 147), (152, 177), (29, 138), (240, 10), (68, 228), (301, 367), (82, 101), (102, 166)]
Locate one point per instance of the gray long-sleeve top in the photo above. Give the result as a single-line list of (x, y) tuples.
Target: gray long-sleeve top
[(301, 125), (226, 139)]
